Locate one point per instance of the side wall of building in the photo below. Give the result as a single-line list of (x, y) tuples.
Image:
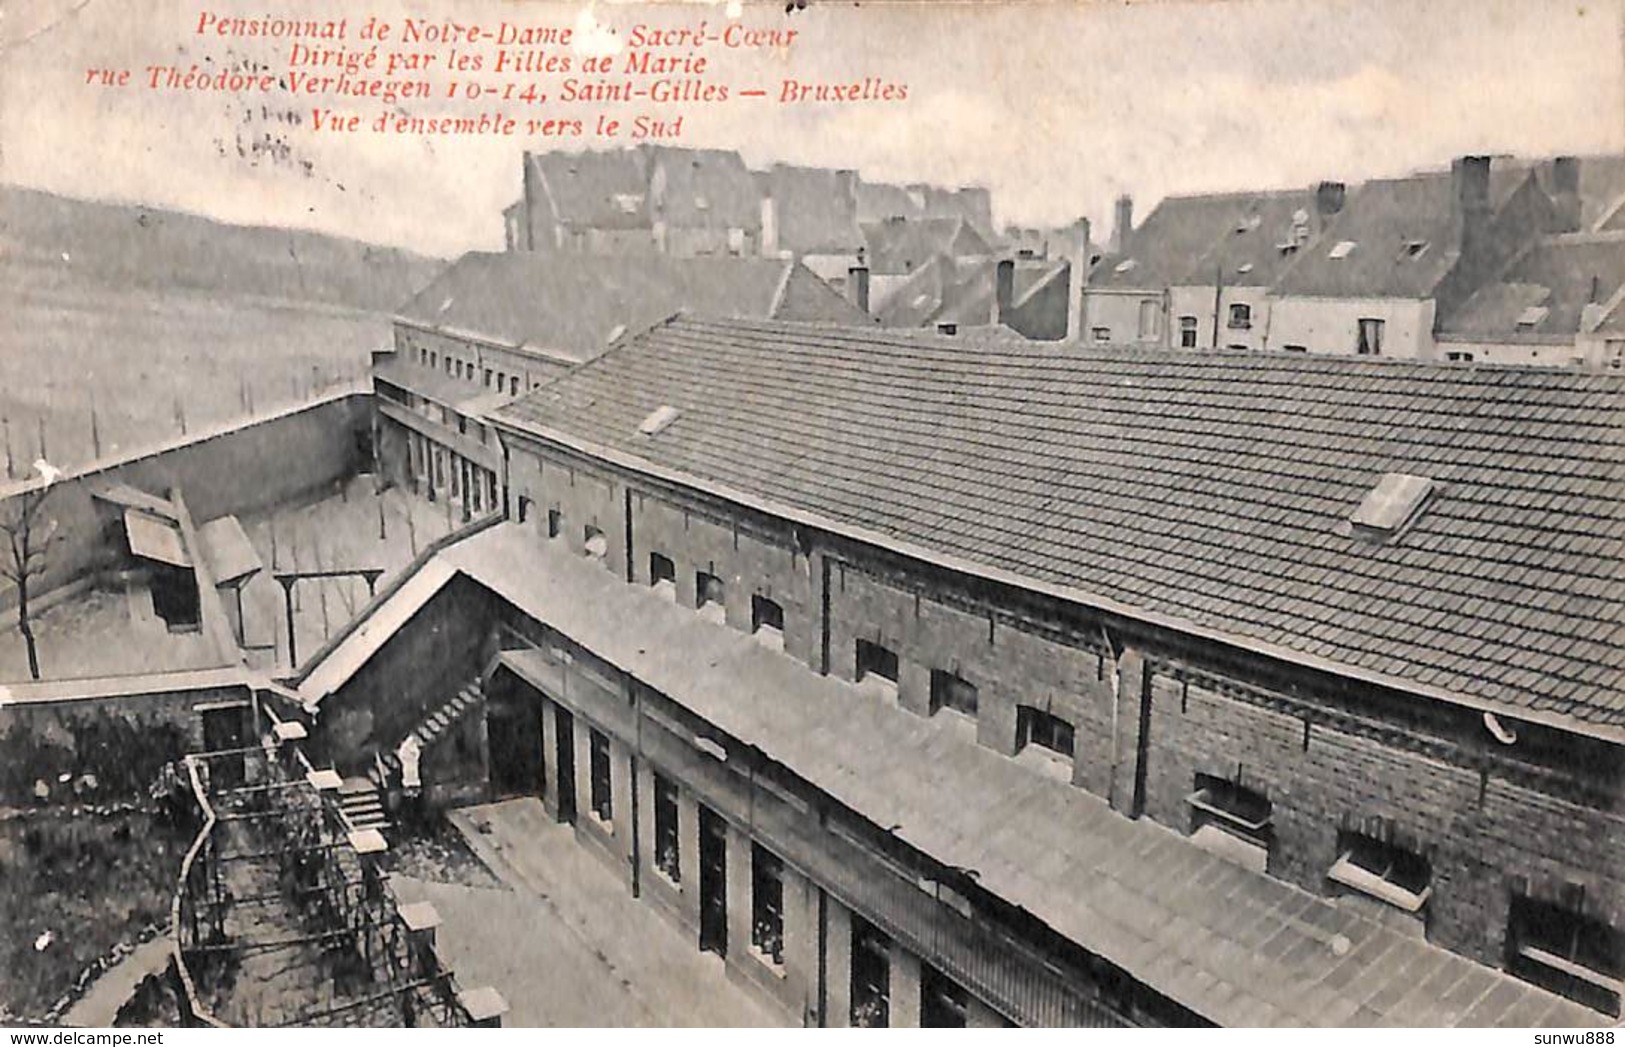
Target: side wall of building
[(1332, 325)]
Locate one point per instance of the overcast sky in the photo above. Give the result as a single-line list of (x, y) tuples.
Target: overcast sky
[(1056, 107)]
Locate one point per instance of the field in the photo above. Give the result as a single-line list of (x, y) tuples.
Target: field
[(152, 364)]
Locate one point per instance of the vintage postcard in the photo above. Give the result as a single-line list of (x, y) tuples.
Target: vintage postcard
[(795, 513)]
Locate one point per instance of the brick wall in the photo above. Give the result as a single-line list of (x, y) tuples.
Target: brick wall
[(1481, 831), (1328, 756)]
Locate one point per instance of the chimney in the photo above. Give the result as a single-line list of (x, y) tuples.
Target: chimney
[(1470, 202), (857, 284), (1566, 193), (526, 233), (1004, 288), (1122, 224), (770, 225), (1329, 197), (1078, 273)]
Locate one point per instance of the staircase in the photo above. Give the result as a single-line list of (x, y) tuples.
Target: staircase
[(362, 804), (435, 727)]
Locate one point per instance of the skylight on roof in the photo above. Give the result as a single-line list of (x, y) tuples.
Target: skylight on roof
[(1341, 249), (701, 203), (1244, 267), (628, 202), (658, 419), (1393, 503), (1532, 316), (445, 305), (1414, 248), (615, 334), (1124, 266)]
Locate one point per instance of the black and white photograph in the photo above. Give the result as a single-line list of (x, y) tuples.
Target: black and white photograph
[(754, 514)]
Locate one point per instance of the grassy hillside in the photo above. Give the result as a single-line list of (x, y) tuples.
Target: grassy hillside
[(130, 246), (163, 321)]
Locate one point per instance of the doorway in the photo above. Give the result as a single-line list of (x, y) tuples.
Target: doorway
[(564, 728), (713, 882), (223, 731), (515, 732)]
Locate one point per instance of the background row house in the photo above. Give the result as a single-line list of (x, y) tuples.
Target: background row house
[(1133, 688), (1428, 266)]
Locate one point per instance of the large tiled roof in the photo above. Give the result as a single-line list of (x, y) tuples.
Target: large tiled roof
[(1379, 220), (1260, 243), (1207, 493), (1548, 287), (572, 304), (1164, 250)]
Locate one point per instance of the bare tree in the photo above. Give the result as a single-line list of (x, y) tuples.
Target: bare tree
[(28, 534)]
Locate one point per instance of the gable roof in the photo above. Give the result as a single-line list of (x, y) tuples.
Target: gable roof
[(570, 305), (1545, 292), (942, 290), (1166, 248), (1206, 493), (901, 245), (1380, 219)]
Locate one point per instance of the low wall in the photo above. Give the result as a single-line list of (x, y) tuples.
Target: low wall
[(239, 469), (108, 737)]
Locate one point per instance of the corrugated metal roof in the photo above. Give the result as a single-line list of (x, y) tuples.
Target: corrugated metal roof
[(1190, 924)]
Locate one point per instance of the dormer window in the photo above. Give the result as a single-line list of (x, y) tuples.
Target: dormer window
[(1413, 249), (1124, 266), (1531, 317), (1340, 250)]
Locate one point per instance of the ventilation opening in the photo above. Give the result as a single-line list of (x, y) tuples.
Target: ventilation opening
[(658, 420)]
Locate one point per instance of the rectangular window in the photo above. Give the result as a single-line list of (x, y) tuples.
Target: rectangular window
[(434, 359), (943, 1002), (1369, 339), (736, 241), (1043, 729), (767, 622), (710, 597), (1295, 348), (668, 849), (949, 691), (555, 523), (1241, 317), (1149, 312), (877, 666), (663, 576), (524, 508), (871, 976), (513, 385), (767, 903), (1231, 820), (1382, 870), (488, 378), (1567, 952), (594, 544), (449, 362), (502, 381), (1459, 357), (603, 802), (1187, 332), (1101, 334)]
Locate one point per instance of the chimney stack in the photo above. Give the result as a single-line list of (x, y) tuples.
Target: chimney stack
[(1078, 273), (770, 225), (1566, 193), (1470, 201), (1122, 224), (857, 284), (1329, 198), (1004, 289), (526, 238)]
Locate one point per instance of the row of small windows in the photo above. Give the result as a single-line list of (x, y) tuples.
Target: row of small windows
[(1369, 331), (1555, 947), (457, 367)]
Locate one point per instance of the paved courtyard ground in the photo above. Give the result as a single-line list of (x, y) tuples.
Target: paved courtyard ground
[(115, 631), (566, 944)]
